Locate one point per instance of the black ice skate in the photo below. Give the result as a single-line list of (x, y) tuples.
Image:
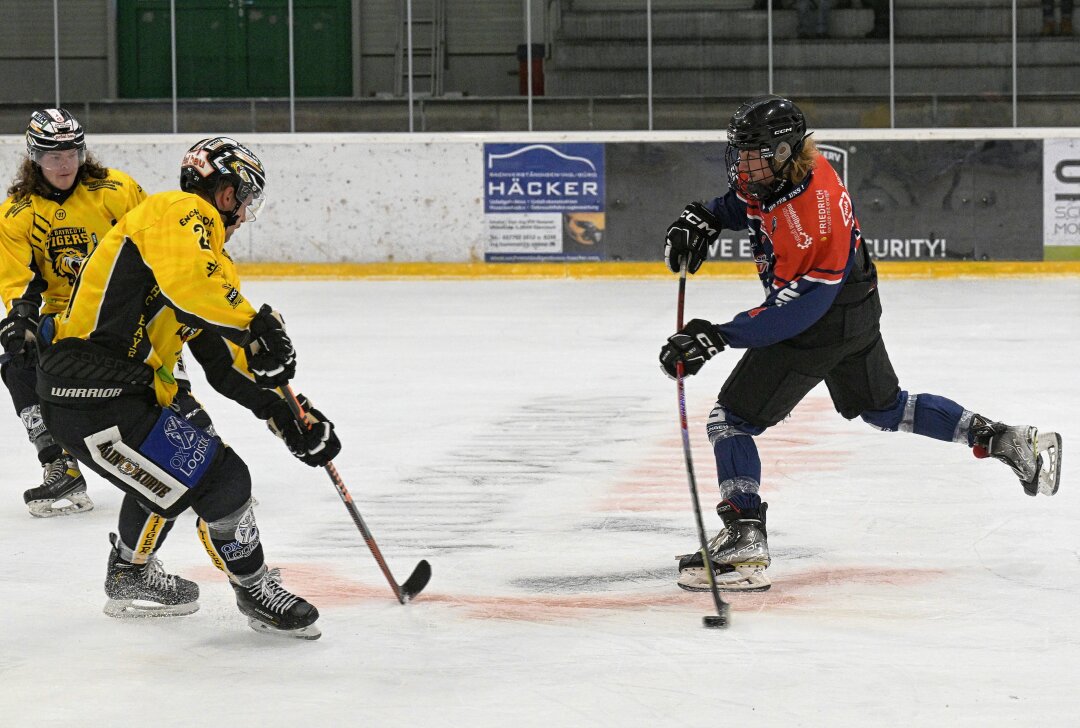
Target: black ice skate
[(739, 555), (1034, 456), (146, 590), (63, 490), (271, 608)]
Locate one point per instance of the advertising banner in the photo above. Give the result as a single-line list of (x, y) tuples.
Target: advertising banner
[(1061, 198), (925, 200), (544, 202)]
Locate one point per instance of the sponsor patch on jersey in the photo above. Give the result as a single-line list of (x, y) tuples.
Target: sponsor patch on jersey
[(823, 203), (233, 296), (846, 212)]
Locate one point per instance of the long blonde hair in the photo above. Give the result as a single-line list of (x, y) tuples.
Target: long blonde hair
[(804, 162)]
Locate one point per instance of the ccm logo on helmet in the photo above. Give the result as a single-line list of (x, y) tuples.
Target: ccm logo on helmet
[(778, 132)]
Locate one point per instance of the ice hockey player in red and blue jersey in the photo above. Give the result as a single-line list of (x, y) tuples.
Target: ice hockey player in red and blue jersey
[(819, 321)]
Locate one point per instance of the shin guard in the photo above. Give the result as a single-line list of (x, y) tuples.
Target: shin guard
[(141, 531), (233, 542)]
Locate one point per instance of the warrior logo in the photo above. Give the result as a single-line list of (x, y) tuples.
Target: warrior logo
[(67, 247)]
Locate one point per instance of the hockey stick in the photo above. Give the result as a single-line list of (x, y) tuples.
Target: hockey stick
[(720, 619), (420, 575)]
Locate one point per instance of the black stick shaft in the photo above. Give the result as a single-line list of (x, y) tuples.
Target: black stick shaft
[(721, 605), (346, 498)]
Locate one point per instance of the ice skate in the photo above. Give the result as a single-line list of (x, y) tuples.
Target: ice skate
[(739, 555), (146, 590), (62, 492), (1034, 456), (272, 609)]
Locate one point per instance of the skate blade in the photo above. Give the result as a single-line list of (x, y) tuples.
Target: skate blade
[(311, 632), (72, 503), (1048, 446), (742, 578), (139, 609)]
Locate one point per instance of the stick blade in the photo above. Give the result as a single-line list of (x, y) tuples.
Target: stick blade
[(416, 581)]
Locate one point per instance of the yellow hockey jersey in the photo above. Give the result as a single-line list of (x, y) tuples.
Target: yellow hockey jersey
[(161, 278), (43, 242)]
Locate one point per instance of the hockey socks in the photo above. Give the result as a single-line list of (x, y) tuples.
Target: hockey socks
[(924, 414)]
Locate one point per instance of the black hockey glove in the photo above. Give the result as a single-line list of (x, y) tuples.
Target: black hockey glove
[(315, 446), (689, 238), (698, 342), (18, 334), (270, 353)]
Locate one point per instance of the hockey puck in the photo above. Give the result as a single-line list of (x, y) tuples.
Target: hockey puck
[(714, 621)]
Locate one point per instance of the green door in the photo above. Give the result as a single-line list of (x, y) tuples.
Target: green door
[(234, 48)]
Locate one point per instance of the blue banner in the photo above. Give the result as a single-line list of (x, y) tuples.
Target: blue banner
[(544, 201)]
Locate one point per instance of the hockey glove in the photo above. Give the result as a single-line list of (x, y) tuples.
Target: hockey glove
[(18, 334), (270, 353), (314, 444), (689, 238), (698, 342)]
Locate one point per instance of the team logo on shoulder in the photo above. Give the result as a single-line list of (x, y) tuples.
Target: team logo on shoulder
[(845, 209)]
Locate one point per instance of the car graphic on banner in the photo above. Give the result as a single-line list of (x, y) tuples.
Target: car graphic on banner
[(544, 202)]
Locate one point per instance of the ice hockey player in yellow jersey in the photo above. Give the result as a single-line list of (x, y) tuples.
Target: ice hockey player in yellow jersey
[(61, 204), (111, 391)]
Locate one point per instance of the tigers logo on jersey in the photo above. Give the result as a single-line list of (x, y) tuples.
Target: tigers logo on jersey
[(67, 247)]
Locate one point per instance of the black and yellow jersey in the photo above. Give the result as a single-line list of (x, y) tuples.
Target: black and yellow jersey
[(43, 241), (161, 278)]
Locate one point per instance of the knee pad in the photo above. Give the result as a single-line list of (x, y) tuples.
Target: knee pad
[(232, 542), (141, 531), (225, 489), (723, 424)]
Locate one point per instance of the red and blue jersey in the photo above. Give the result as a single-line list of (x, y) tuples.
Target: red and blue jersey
[(805, 243)]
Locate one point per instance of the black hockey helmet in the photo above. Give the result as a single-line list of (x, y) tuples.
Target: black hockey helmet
[(54, 130), (213, 162), (772, 126)]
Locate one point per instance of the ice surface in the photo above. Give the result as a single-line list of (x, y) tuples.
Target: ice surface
[(520, 436)]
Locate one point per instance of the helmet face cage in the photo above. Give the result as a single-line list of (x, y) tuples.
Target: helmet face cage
[(212, 162), (771, 130), (54, 130)]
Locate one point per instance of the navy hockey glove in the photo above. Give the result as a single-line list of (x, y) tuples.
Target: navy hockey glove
[(316, 445), (270, 354), (18, 334), (698, 342), (689, 238)]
